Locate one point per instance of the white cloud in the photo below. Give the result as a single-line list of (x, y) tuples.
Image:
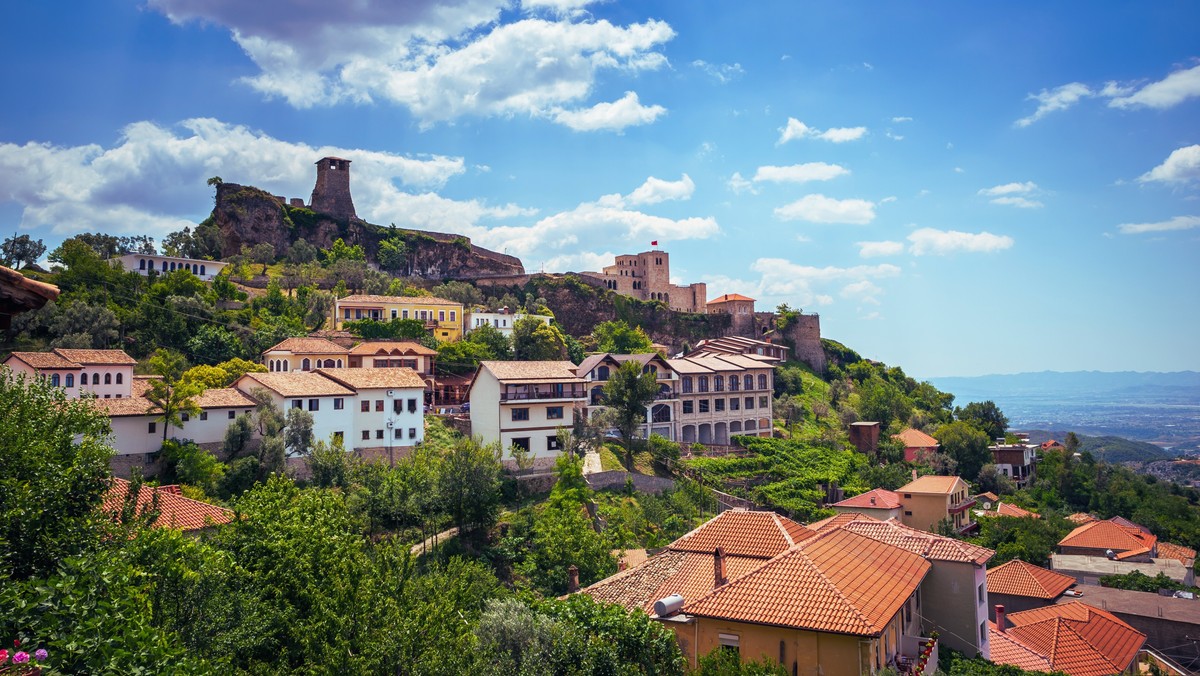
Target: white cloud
[(1020, 202), (864, 291), (739, 185), (1011, 194), (1052, 100), (795, 129), (153, 180), (1009, 189), (898, 120), (959, 170), (875, 249), (886, 200), (578, 262), (822, 209), (1177, 223), (656, 190), (945, 242), (1170, 91), (804, 283), (441, 60), (721, 72), (800, 173), (894, 137), (624, 112), (1181, 166)]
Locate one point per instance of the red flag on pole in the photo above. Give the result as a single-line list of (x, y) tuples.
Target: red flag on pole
[(654, 243)]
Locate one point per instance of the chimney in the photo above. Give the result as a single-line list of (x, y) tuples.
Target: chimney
[(872, 500), (914, 475), (621, 565), (1000, 618), (719, 577), (572, 579)]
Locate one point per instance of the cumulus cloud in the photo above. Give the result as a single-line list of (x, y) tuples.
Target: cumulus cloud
[(1181, 166), (656, 190), (1020, 202), (1177, 223), (738, 184), (864, 291), (1009, 189), (898, 120), (627, 111), (928, 241), (807, 284), (822, 209), (876, 249), (441, 60), (721, 72), (1013, 195), (1170, 91), (578, 262), (153, 179), (795, 130), (1053, 100), (800, 173)]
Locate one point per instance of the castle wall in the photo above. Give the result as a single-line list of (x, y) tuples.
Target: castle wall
[(331, 194), (805, 335)]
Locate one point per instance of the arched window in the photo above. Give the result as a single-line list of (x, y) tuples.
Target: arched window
[(762, 381), (733, 383), (748, 382), (54, 380), (339, 363), (120, 378), (305, 365), (95, 378), (703, 383), (142, 264), (718, 383), (602, 373), (661, 413), (83, 378), (329, 363), (202, 272), (70, 380), (108, 379), (687, 385), (172, 266)]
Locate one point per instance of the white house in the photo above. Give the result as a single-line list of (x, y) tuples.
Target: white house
[(662, 414), (144, 263), (501, 321), (304, 354), (330, 403), (524, 403), (106, 373), (389, 410)]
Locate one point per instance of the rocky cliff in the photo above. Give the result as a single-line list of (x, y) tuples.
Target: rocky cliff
[(244, 215)]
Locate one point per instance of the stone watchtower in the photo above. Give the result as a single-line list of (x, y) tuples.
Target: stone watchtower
[(331, 194)]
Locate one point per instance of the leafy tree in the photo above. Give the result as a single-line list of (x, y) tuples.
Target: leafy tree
[(214, 181), (340, 251), (203, 242), (992, 480), (966, 445), (462, 292), (188, 463), (262, 253), (563, 535), (329, 464), (785, 316), (238, 436), (1139, 581), (880, 400), (53, 475), (172, 395), (238, 367), (1072, 442), (213, 344), (83, 325), (721, 662), (392, 254), (985, 416), (301, 252), (298, 434), (462, 357), (498, 345), (615, 640), (272, 457), (618, 337), (469, 484), (206, 376), (627, 394), (318, 309), (1030, 540), (534, 341), (20, 251), (394, 329)]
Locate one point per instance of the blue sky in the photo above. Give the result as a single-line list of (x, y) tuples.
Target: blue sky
[(958, 189)]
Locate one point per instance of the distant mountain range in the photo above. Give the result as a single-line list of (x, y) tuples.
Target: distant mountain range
[(1174, 387)]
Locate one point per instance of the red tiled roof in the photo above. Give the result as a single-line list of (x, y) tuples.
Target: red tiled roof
[(1047, 445), (1008, 509), (294, 384), (835, 582), (932, 484), (125, 406), (45, 360), (301, 345), (725, 298), (912, 438), (1168, 550), (97, 357), (174, 510), (361, 379), (741, 533), (689, 574), (223, 397), (878, 498), (390, 346), (1005, 649), (1108, 535), (1075, 638), (1019, 578), (398, 300), (989, 496), (920, 542)]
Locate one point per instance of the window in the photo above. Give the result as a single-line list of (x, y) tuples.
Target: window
[(718, 405), (232, 415), (735, 403), (204, 415), (748, 382), (749, 403), (412, 405), (378, 434), (704, 406), (762, 401), (733, 383), (83, 378), (54, 379), (554, 413), (366, 435), (688, 407), (314, 404), (306, 364), (108, 379), (108, 396), (378, 405), (552, 442), (364, 406), (979, 592), (983, 631), (687, 384), (95, 378), (394, 313), (718, 383), (70, 380), (398, 433), (602, 373), (404, 314), (339, 404), (454, 315), (120, 378), (153, 426), (142, 264), (907, 513), (412, 433), (441, 315), (184, 417), (520, 414), (762, 381), (347, 314), (703, 383), (521, 443)]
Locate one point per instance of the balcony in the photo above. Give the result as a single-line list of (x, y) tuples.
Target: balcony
[(542, 394), (666, 395), (918, 655), (962, 506)]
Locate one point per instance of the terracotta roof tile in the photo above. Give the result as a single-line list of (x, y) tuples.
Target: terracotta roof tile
[(937, 547), (45, 360), (294, 384), (1006, 649), (224, 397), (531, 370), (838, 520), (302, 345), (990, 496), (1019, 578), (912, 438), (1108, 535), (140, 385), (391, 346), (125, 406), (1076, 638), (93, 357), (1081, 518), (725, 298), (398, 300), (359, 379), (174, 510), (689, 574), (1008, 509), (742, 533), (878, 498), (835, 582), (1168, 550), (931, 483)]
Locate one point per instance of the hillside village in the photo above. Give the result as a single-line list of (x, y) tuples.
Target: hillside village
[(591, 470)]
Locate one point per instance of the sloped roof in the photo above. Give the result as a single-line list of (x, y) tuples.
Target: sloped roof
[(837, 582), (1006, 649), (1081, 518), (97, 357), (295, 384), (913, 438), (125, 406), (1168, 550), (399, 300), (989, 496), (304, 345), (1052, 443), (1076, 638), (45, 360), (174, 510), (375, 378), (138, 404), (883, 499), (1108, 535), (937, 547), (931, 483), (742, 533), (20, 293), (390, 346), (224, 397), (689, 574), (531, 370), (1019, 578), (1009, 509), (725, 298)]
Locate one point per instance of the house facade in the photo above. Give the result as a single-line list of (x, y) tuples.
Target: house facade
[(143, 264), (1015, 461), (523, 405), (929, 500), (879, 504), (501, 321), (388, 412), (304, 354), (722, 396), (108, 374), (443, 318), (918, 446), (330, 403), (662, 414), (1018, 586)]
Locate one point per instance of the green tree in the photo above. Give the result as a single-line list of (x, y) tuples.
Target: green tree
[(262, 253), (627, 394), (992, 480), (722, 662), (301, 252), (188, 463), (238, 436), (340, 251), (563, 535), (498, 345), (617, 337), (172, 395), (21, 251), (534, 341), (986, 416), (966, 445), (392, 254), (469, 484), (298, 433), (785, 316), (462, 357), (880, 400), (461, 292), (53, 475), (213, 344)]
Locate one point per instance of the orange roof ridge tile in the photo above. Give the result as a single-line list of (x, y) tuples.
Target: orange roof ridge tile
[(1019, 578)]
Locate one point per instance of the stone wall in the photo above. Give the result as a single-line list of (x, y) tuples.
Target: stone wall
[(616, 479), (331, 193), (805, 338)]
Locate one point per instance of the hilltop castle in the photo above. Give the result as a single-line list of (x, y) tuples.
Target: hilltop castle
[(331, 193), (647, 276)]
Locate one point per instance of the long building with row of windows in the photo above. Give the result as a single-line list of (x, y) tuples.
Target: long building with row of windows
[(447, 320)]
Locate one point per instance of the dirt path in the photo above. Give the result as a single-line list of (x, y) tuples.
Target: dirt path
[(591, 463), (431, 542)]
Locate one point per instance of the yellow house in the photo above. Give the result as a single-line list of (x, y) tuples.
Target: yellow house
[(927, 500), (443, 318)]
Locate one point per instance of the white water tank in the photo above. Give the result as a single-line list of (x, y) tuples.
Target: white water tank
[(668, 606)]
